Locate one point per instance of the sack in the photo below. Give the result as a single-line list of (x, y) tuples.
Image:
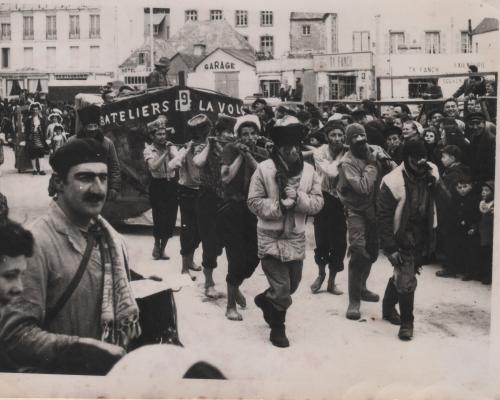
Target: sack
[(158, 320)]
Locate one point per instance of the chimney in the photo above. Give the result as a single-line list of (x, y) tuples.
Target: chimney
[(199, 49)]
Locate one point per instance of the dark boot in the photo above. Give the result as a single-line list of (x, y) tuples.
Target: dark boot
[(262, 302), (163, 245), (354, 283), (278, 335), (367, 295), (332, 287), (316, 286), (389, 312), (156, 249), (186, 262), (406, 301)]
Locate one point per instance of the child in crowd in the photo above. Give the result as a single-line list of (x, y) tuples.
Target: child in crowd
[(59, 137), (486, 231)]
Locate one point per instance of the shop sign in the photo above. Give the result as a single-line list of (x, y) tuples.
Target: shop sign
[(219, 66), (343, 62)]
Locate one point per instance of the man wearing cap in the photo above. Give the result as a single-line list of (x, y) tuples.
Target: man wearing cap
[(283, 191), (77, 313), (360, 171), (329, 224), (158, 78), (236, 224), (406, 220), (482, 149), (474, 84)]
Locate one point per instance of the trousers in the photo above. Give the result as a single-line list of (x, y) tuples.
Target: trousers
[(163, 199), (207, 205), (189, 237)]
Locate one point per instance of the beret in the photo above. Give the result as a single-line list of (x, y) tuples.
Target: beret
[(77, 151)]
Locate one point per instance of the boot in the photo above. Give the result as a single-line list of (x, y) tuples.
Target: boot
[(367, 295), (354, 283), (389, 312), (332, 287), (163, 245), (156, 249), (262, 302), (406, 301), (186, 262), (316, 286), (231, 311), (278, 334)]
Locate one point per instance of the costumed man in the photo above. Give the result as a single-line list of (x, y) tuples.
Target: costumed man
[(283, 192), (208, 159), (329, 224), (36, 141), (360, 171), (163, 185), (406, 218), (77, 313), (236, 224), (158, 78)]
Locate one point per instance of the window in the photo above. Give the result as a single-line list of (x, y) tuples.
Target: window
[(418, 86), (306, 30), (28, 56), (191, 15), (245, 37), (74, 27), (465, 42), (241, 18), (94, 56), (215, 15), (74, 53), (270, 88), (342, 86), (51, 29), (266, 18), (396, 39), (5, 31), (267, 45), (28, 33), (51, 57), (361, 41), (5, 58), (142, 58), (95, 26), (432, 43)]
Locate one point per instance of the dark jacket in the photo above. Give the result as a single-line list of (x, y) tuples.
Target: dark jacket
[(472, 86), (467, 214), (156, 79), (482, 157)]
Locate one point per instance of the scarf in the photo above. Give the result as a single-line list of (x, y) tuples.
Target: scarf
[(119, 311)]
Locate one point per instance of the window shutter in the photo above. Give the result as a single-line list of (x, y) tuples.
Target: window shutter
[(443, 38)]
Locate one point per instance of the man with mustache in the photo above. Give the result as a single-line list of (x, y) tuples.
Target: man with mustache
[(77, 313), (360, 171)]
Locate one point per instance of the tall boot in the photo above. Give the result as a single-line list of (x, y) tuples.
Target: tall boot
[(163, 245), (332, 287), (367, 295), (354, 283), (263, 303), (389, 312), (406, 301), (231, 312), (278, 334), (156, 249), (186, 262), (316, 286)]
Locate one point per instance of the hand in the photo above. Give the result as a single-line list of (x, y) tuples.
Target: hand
[(395, 259), (287, 203), (113, 194), (190, 145), (291, 193), (243, 147)]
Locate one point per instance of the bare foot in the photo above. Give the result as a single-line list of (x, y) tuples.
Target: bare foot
[(335, 290), (240, 300), (233, 315), (212, 293)]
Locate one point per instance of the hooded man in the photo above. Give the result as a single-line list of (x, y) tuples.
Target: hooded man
[(406, 217), (283, 191), (360, 171)]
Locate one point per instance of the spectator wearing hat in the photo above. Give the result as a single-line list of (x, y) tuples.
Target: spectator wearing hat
[(329, 224), (360, 172), (394, 144), (158, 77), (163, 185), (84, 327), (473, 85), (59, 137), (406, 218), (482, 149), (486, 231), (283, 191), (54, 118), (236, 224), (36, 141)]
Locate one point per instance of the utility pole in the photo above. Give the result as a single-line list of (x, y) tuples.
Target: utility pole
[(151, 38)]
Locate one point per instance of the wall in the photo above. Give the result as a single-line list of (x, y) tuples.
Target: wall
[(314, 43), (486, 42)]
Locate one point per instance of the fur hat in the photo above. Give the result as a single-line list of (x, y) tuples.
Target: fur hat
[(246, 120), (288, 135), (224, 122), (77, 151), (415, 149), (353, 130), (90, 116)]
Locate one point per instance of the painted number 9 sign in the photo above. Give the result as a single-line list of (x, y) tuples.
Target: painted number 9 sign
[(184, 100)]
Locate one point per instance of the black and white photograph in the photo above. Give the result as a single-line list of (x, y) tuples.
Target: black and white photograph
[(249, 200)]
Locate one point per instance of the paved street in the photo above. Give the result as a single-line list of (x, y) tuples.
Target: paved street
[(328, 352)]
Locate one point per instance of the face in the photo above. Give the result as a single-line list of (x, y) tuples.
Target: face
[(393, 141), (486, 193), (418, 163), (490, 89), (398, 123), (258, 107), (227, 135), (463, 189), (324, 116), (409, 130), (476, 126), (451, 109), (290, 154), (429, 137), (11, 270), (35, 110), (396, 112), (336, 138), (160, 137), (447, 159), (248, 135), (436, 119), (279, 114), (84, 192), (473, 106)]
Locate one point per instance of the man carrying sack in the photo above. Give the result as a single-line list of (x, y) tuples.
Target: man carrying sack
[(77, 313)]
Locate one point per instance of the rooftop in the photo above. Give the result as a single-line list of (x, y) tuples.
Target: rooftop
[(486, 25), (294, 16)]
